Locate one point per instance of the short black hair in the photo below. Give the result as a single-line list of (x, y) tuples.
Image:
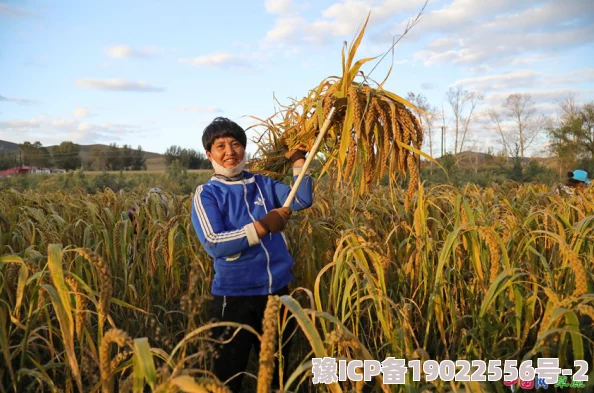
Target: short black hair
[(221, 127), (571, 180)]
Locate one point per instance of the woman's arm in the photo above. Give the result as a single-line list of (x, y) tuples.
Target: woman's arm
[(210, 228), (218, 242)]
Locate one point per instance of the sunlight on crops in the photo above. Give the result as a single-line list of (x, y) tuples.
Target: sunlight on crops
[(93, 302)]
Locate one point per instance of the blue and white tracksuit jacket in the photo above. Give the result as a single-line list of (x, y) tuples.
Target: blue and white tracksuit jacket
[(223, 215)]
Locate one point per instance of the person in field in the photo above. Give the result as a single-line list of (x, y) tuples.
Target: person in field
[(576, 180), (239, 219), (155, 191)]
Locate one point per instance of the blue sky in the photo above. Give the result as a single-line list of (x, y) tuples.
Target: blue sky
[(155, 73)]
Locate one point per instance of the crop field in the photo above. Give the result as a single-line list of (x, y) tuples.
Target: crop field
[(92, 302)]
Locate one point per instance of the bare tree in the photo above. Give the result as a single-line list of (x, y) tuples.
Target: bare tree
[(528, 123), (518, 123), (430, 117), (497, 122), (476, 156), (569, 108), (426, 115), (443, 128), (459, 100), (570, 111)]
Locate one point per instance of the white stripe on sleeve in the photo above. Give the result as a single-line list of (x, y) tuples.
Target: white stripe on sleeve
[(209, 234)]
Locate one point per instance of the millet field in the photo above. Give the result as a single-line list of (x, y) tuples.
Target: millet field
[(91, 301)]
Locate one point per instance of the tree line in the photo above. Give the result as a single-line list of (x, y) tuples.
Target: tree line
[(188, 158), (115, 158), (67, 156), (516, 124)]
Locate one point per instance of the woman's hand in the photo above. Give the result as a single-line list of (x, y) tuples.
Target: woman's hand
[(274, 221), (297, 157)]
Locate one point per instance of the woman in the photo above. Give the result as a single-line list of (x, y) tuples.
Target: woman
[(239, 219)]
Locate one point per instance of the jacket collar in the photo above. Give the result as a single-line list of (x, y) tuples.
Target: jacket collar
[(244, 178)]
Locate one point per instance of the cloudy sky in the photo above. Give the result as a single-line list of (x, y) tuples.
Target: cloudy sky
[(155, 73)]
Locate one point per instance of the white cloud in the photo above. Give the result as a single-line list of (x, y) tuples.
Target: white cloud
[(63, 124), (509, 80), (504, 32), (117, 85), (51, 130), (540, 97), (82, 112), (341, 19), (19, 125), (278, 6), (17, 100), (126, 52), (535, 58), (526, 79), (286, 29), (218, 60), (8, 10), (85, 127), (199, 109)]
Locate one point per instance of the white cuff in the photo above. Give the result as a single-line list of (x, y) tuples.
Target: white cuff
[(252, 234), (297, 170)]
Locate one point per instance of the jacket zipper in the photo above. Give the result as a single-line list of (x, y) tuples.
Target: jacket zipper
[(224, 305), (261, 243)]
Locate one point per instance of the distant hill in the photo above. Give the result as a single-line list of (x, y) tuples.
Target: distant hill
[(470, 159), (154, 161), (85, 149), (8, 146)]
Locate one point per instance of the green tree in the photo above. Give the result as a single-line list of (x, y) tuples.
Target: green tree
[(138, 160), (516, 171), (67, 156), (113, 158), (8, 159), (188, 158), (96, 160), (572, 139), (35, 154)]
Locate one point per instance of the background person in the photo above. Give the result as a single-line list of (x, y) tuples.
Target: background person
[(577, 179)]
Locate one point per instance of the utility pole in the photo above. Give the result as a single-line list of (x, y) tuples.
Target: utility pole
[(443, 149)]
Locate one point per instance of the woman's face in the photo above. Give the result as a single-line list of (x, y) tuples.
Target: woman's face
[(227, 152)]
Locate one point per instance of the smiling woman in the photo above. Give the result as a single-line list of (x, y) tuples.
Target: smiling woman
[(227, 156), (239, 219)]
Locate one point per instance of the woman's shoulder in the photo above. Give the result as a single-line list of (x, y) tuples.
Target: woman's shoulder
[(205, 188)]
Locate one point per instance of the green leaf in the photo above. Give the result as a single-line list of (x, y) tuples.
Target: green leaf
[(55, 267), (355, 69), (404, 145), (402, 101), (23, 275), (4, 344), (187, 384), (320, 113), (573, 324), (143, 359), (66, 326), (310, 332), (345, 137)]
